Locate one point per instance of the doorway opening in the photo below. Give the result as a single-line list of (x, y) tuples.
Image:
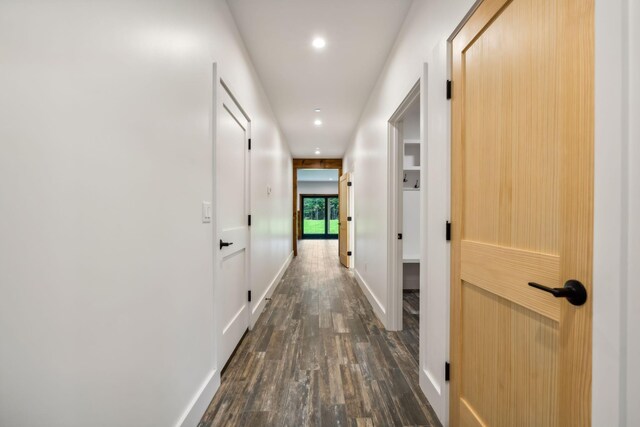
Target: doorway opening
[(317, 203), (404, 216), (316, 177)]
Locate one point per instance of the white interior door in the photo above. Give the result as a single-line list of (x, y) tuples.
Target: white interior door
[(232, 224), (435, 249)]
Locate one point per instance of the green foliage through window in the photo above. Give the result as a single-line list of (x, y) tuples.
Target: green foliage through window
[(314, 215)]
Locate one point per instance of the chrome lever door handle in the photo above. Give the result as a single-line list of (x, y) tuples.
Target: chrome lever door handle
[(573, 291)]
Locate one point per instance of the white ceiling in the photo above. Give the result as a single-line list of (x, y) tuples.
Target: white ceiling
[(338, 79), (318, 175)]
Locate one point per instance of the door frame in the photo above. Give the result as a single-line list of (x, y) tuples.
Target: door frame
[(307, 164), (325, 236), (616, 343), (394, 208), (221, 91)]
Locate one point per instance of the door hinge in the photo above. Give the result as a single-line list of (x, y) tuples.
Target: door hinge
[(349, 253), (349, 218), (449, 89), (448, 231), (349, 183), (249, 220), (249, 296), (447, 371), (399, 236), (249, 144)]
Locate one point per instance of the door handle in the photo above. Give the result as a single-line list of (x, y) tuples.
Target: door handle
[(224, 244), (573, 291)]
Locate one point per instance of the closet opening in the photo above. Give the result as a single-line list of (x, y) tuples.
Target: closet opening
[(404, 219)]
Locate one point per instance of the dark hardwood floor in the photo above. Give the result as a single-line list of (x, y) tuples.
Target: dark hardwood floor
[(319, 356), (410, 326)]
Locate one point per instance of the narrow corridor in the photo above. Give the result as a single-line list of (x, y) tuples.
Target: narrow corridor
[(319, 356)]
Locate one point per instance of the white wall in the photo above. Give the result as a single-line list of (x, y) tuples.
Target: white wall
[(411, 125), (422, 40), (633, 255), (106, 294), (616, 341), (428, 25), (316, 187)]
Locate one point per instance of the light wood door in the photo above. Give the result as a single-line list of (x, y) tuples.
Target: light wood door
[(522, 211), (231, 173), (344, 223)]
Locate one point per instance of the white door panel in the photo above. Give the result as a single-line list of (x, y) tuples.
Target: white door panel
[(237, 236), (232, 186), (231, 171)]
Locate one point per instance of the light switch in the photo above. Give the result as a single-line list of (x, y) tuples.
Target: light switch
[(206, 212)]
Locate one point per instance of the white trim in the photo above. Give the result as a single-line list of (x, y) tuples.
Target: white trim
[(395, 169), (632, 296), (434, 249), (354, 220), (432, 382), (259, 305), (232, 321), (434, 391), (613, 402), (200, 401), (215, 321), (378, 308)]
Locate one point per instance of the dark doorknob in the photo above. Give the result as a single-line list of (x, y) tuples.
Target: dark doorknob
[(225, 244), (573, 291)]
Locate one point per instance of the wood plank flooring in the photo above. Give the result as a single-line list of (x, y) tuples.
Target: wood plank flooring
[(410, 326), (318, 356)]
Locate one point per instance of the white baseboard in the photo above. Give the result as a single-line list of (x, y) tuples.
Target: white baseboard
[(200, 402), (260, 303), (434, 393), (378, 309)]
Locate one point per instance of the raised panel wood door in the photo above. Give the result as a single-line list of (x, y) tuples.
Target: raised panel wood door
[(522, 212)]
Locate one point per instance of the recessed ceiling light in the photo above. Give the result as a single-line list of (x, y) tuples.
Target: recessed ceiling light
[(318, 122), (317, 110), (317, 152), (319, 43)]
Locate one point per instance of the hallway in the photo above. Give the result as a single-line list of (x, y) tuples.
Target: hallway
[(169, 172), (319, 356)]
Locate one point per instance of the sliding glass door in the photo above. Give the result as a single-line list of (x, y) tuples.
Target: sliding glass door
[(319, 216)]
